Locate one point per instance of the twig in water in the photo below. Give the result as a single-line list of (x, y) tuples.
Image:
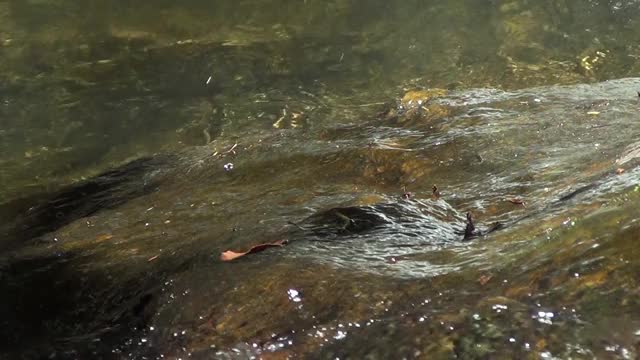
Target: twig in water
[(347, 220), (435, 193), (296, 225), (278, 122), (207, 136), (470, 230), (233, 148)]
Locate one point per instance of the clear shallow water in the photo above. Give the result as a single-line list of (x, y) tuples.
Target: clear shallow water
[(324, 110)]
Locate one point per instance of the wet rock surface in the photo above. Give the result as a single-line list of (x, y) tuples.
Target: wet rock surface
[(319, 124), (142, 275)]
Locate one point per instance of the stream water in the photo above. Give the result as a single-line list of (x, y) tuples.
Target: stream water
[(139, 142)]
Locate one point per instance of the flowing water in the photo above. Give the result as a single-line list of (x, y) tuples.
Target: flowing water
[(139, 142)]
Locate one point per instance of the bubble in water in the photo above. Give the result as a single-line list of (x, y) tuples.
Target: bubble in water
[(545, 317), (294, 295), (340, 335)]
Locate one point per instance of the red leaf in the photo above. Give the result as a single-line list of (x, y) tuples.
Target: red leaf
[(232, 255), (517, 201)]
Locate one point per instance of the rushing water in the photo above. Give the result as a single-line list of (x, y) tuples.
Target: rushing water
[(138, 142)]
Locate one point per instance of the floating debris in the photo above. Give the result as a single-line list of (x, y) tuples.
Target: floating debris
[(484, 279), (517, 201), (104, 237), (435, 193), (278, 123), (406, 194), (232, 255), (470, 230)]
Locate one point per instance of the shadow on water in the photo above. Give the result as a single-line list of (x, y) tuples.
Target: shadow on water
[(57, 305), (43, 213)]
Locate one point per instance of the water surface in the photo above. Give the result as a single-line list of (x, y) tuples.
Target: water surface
[(139, 141)]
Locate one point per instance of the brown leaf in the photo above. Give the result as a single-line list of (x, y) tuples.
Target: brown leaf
[(232, 255), (620, 171), (517, 201)]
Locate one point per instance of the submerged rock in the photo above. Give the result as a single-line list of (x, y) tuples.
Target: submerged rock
[(135, 244), (417, 107)]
